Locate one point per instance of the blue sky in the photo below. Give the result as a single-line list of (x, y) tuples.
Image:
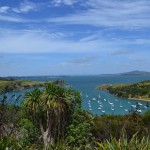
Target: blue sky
[(74, 37)]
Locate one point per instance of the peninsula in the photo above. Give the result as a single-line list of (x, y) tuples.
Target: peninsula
[(17, 85), (137, 91), (11, 84)]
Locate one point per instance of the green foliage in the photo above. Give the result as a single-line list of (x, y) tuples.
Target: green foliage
[(124, 144), (79, 131), (29, 133), (140, 90), (52, 110)]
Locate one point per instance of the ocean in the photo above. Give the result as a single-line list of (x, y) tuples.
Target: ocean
[(99, 102)]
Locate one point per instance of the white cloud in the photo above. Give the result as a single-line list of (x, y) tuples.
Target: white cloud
[(4, 9), (66, 2), (12, 18), (40, 41), (26, 7), (112, 13)]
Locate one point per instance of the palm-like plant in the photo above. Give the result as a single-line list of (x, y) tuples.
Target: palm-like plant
[(54, 100), (33, 99)]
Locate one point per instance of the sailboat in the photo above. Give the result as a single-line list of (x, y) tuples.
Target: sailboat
[(112, 109), (140, 104), (99, 108), (104, 99), (110, 102), (94, 98), (133, 106), (120, 105), (139, 111), (99, 96), (86, 95), (103, 110)]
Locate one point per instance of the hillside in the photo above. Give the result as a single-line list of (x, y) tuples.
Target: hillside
[(140, 90), (17, 85)]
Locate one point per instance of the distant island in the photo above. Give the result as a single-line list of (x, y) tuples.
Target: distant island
[(135, 72), (137, 91)]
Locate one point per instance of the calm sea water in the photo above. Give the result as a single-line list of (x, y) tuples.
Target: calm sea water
[(100, 102)]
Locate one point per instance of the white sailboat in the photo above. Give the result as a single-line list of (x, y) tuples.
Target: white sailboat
[(112, 109), (110, 102), (133, 106), (139, 111), (104, 99), (86, 95), (140, 104), (99, 96), (94, 99), (103, 110), (120, 105)]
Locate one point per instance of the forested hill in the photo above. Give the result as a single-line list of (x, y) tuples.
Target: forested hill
[(140, 90)]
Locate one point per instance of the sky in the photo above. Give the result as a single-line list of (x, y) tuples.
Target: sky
[(74, 37)]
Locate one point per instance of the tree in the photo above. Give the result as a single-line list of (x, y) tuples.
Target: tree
[(52, 109)]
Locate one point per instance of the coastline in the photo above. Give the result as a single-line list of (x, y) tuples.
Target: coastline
[(146, 100), (132, 99), (129, 91)]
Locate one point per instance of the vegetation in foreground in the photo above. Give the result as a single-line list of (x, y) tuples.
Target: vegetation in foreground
[(53, 118), (140, 90)]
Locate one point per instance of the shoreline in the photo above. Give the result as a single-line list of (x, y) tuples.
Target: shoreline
[(132, 99), (146, 100)]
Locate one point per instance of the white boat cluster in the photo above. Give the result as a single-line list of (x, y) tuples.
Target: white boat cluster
[(102, 102)]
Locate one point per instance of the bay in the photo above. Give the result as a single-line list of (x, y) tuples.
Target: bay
[(95, 101)]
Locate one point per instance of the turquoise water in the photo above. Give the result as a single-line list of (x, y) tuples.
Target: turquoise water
[(100, 102)]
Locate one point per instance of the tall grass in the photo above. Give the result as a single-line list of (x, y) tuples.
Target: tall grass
[(124, 144)]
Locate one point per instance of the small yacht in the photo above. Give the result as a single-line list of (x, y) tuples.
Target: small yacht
[(94, 98), (139, 111), (140, 104), (99, 96), (110, 102), (133, 106), (126, 109), (103, 111), (112, 105), (121, 105), (129, 102), (86, 95), (104, 99), (112, 109)]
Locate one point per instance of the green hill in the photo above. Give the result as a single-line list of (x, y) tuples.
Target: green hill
[(140, 90)]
